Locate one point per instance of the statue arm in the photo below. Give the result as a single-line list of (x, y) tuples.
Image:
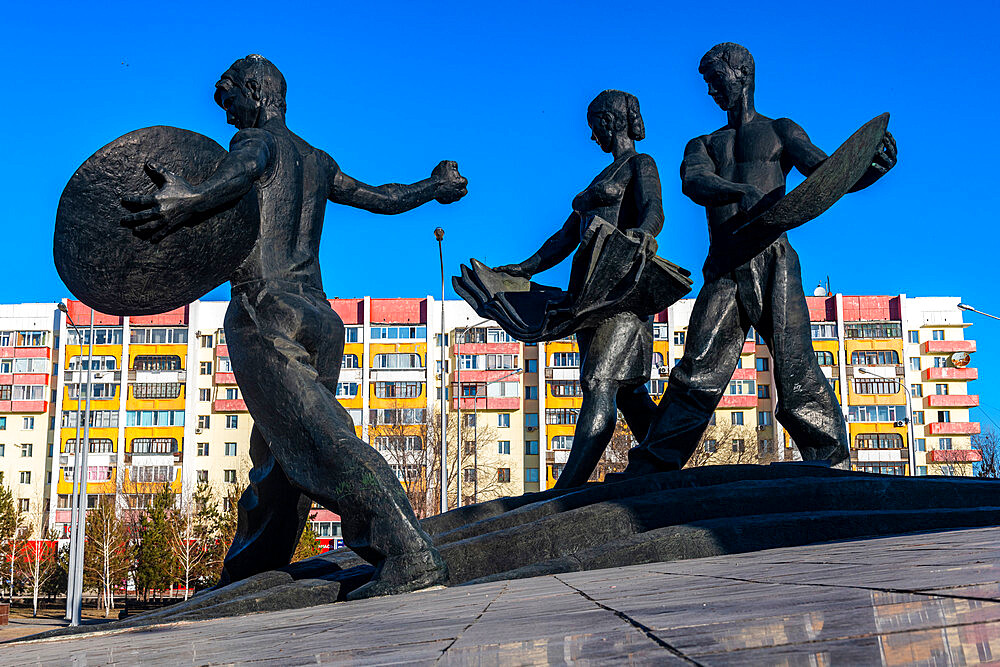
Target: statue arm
[(177, 201), (700, 182), (558, 247), (445, 184), (648, 196), (798, 148)]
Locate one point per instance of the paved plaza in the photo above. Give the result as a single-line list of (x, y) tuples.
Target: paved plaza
[(931, 598)]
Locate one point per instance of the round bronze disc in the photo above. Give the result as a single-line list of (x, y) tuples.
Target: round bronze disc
[(114, 271)]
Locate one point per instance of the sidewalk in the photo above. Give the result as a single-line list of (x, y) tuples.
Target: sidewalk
[(931, 597)]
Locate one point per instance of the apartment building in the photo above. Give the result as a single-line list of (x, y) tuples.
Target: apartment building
[(165, 406)]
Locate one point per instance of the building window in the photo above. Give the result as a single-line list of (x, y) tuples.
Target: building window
[(204, 395), (741, 388), (207, 340), (151, 474), (437, 340), (825, 358), (711, 446), (159, 336), (232, 394), (503, 420), (763, 391), (656, 387), (156, 362), (937, 334), (882, 468), (530, 447), (205, 368), (874, 357), (232, 421), (230, 449), (869, 385), (26, 450), (737, 418), (398, 332), (96, 446), (503, 447), (565, 388), (154, 418), (202, 449), (914, 336), (873, 330), (469, 475), (711, 419), (920, 444), (763, 418), (398, 416), (739, 445), (877, 413), (562, 415), (944, 416), (398, 360), (25, 477), (399, 443), (679, 338), (154, 390), (914, 363), (922, 471), (202, 476), (23, 505), (398, 389), (3, 423), (824, 331), (531, 420), (562, 442), (918, 416), (878, 441), (944, 443), (531, 475), (532, 365), (98, 418), (566, 359), (503, 475), (941, 389), (531, 392), (28, 424), (940, 362), (347, 389), (762, 364), (229, 476), (916, 390), (204, 421), (349, 361), (352, 334)]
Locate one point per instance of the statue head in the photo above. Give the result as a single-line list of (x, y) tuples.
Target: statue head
[(250, 90), (728, 71), (613, 112)]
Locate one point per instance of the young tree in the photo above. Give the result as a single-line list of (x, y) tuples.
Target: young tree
[(308, 545), (729, 444), (10, 526), (155, 565), (105, 552), (36, 562), (987, 444), (193, 536), (615, 457), (59, 581), (475, 466)]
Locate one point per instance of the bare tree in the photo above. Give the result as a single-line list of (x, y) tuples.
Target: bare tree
[(10, 527), (192, 537), (106, 552), (987, 444), (615, 457), (36, 561), (730, 444)]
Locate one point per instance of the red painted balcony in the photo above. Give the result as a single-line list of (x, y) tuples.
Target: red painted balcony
[(5, 406), (222, 350), (738, 402), (31, 378), (63, 516), (947, 346), (32, 352), (749, 347), (745, 374), (30, 406), (950, 374), (488, 348), (954, 456), (508, 375), (952, 428), (229, 405), (6, 353), (488, 403), (225, 378), (6, 379), (951, 401)]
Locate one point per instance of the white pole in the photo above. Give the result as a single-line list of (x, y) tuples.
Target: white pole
[(439, 235), (78, 537), (73, 512)]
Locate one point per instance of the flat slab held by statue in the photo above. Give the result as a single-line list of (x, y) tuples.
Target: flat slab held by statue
[(160, 216)]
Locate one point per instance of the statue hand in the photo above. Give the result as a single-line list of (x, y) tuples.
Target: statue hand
[(751, 195), (451, 185), (515, 270), (155, 216), (648, 241), (885, 156)]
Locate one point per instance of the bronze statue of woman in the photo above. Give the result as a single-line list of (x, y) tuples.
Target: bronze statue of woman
[(623, 207)]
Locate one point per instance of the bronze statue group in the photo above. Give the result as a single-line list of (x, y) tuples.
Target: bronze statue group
[(287, 343)]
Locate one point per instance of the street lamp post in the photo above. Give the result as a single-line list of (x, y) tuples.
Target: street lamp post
[(458, 402), (965, 306), (71, 574), (439, 235), (912, 456)]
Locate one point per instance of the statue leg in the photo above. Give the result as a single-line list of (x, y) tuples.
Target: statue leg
[(270, 518), (594, 428), (286, 350), (715, 338), (807, 406)]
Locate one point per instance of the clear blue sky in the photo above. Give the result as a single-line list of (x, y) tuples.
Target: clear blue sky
[(389, 89)]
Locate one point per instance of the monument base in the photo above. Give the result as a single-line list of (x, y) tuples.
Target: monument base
[(670, 516)]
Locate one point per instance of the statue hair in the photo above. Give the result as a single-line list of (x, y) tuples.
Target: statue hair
[(736, 56), (624, 107), (269, 81)]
